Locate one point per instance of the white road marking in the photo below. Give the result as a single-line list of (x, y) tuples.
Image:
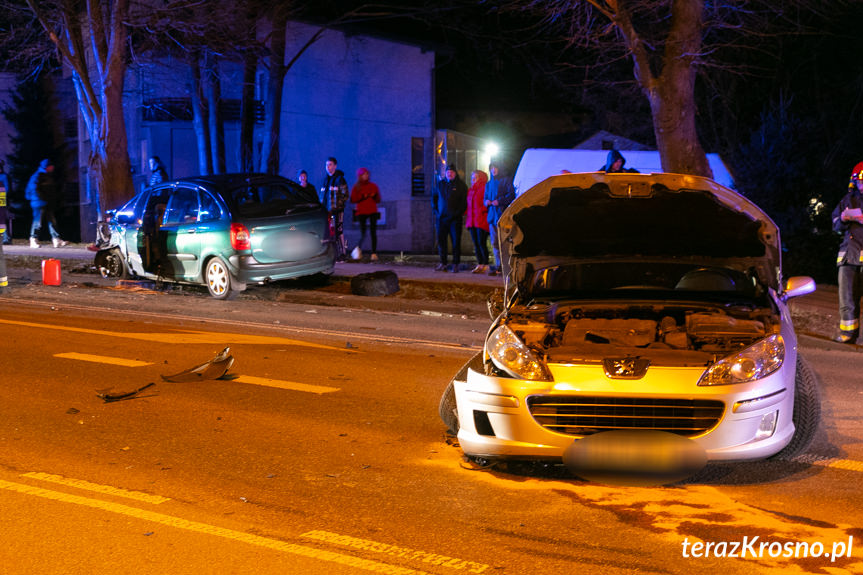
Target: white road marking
[(319, 389)]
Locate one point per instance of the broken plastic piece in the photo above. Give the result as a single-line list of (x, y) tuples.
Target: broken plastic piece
[(213, 369), (108, 397)]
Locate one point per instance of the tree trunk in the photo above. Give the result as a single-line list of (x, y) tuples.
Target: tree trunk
[(275, 87), (199, 116), (672, 104), (217, 125), (247, 114), (115, 181)]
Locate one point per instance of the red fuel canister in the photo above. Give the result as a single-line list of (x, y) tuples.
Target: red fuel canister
[(51, 272)]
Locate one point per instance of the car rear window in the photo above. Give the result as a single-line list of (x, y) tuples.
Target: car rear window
[(272, 199)]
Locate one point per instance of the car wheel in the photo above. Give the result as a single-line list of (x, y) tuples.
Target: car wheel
[(219, 281), (448, 409), (111, 264), (807, 410)]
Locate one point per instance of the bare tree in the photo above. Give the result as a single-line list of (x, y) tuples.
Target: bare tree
[(93, 43), (667, 42)]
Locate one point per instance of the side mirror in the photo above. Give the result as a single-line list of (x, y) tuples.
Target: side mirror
[(495, 304), (798, 285)]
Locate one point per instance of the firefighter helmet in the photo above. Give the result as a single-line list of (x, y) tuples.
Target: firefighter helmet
[(857, 172)]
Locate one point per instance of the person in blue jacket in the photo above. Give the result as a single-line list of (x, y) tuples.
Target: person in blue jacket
[(499, 194), (41, 192)]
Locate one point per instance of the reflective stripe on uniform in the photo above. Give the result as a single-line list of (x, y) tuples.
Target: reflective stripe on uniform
[(4, 281), (849, 325)]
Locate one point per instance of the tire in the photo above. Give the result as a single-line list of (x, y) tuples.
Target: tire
[(111, 264), (807, 410), (448, 409), (220, 283)]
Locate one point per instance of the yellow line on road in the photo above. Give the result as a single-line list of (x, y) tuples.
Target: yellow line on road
[(847, 464), (197, 527), (107, 489), (102, 359), (184, 337), (320, 389)]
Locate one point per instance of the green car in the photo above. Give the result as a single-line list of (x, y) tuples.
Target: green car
[(224, 231)]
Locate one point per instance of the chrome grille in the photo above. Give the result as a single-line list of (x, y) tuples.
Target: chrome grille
[(586, 415)]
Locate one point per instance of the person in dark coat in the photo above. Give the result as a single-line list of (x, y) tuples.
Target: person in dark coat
[(41, 192), (4, 187), (848, 221), (615, 163), (158, 173), (334, 195), (4, 205), (449, 203)]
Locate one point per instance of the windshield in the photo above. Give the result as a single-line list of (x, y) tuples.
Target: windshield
[(272, 199), (607, 279)]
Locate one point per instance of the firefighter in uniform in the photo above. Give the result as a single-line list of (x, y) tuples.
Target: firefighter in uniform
[(848, 220), (4, 186)]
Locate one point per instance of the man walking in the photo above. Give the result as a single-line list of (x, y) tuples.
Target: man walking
[(41, 193)]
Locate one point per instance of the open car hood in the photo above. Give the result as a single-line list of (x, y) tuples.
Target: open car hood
[(599, 217)]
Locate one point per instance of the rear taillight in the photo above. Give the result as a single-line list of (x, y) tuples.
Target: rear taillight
[(240, 238)]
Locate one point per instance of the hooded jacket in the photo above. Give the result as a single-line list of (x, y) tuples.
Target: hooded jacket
[(334, 191), (365, 195), (498, 188), (159, 174), (477, 213), (40, 187), (851, 248), (613, 156)]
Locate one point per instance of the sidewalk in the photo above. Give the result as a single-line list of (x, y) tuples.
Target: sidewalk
[(414, 267), (815, 315)]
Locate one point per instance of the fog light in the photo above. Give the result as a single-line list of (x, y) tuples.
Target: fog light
[(767, 425)]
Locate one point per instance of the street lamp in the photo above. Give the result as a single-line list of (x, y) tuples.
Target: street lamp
[(491, 149)]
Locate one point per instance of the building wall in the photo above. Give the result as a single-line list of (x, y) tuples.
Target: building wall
[(362, 100), (357, 98)]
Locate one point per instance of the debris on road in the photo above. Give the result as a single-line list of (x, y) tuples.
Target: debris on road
[(216, 368), (109, 397)]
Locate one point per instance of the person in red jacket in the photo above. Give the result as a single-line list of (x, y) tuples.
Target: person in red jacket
[(366, 197), (476, 220)]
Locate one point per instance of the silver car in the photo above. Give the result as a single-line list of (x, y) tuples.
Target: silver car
[(638, 304)]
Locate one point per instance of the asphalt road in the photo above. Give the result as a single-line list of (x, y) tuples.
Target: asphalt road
[(322, 453)]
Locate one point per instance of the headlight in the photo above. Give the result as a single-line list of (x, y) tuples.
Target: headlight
[(756, 361), (510, 354)]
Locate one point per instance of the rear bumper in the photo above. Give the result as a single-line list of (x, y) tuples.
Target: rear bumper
[(249, 270)]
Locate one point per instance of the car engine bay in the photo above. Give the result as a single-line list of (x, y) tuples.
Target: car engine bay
[(674, 334)]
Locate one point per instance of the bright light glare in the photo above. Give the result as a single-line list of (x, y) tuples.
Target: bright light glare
[(492, 149)]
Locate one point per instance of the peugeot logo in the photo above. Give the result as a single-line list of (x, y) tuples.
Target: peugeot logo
[(625, 367)]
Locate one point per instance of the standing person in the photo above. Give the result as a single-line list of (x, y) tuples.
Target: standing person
[(158, 173), (334, 194), (303, 179), (614, 163), (41, 193), (4, 279), (6, 191), (476, 219), (848, 221), (366, 196), (499, 194), (449, 203)]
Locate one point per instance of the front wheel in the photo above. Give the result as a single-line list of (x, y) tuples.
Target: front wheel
[(220, 284), (807, 410), (111, 264)]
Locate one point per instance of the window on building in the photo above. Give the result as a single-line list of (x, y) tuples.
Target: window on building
[(418, 178)]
